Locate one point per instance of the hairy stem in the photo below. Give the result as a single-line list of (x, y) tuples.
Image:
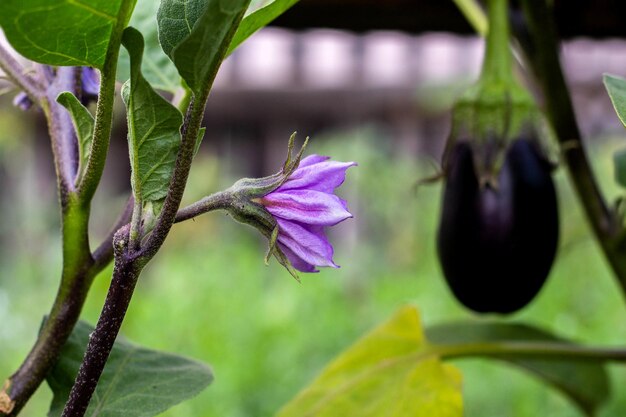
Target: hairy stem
[(543, 57), (78, 273), (104, 110), (125, 275), (164, 223), (16, 73), (213, 202)]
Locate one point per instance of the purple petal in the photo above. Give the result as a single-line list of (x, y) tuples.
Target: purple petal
[(22, 101), (321, 176), (90, 81), (312, 159), (307, 242), (307, 207), (296, 261)]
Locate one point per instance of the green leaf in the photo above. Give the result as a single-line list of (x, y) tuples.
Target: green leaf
[(258, 17), (136, 382), (616, 87), (153, 128), (585, 383), (83, 124), (195, 34), (63, 32), (390, 372), (619, 160), (156, 67)]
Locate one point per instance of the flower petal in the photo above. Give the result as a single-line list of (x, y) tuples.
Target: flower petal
[(312, 159), (296, 261), (308, 242), (322, 176), (307, 207), (90, 81)]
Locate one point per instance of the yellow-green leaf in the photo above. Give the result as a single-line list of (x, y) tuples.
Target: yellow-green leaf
[(390, 372)]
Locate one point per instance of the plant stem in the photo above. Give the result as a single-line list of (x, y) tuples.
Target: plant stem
[(128, 268), (474, 14), (213, 202), (104, 109), (61, 130), (508, 349), (78, 273), (166, 218), (125, 275), (79, 267), (104, 253), (542, 54), (15, 72), (497, 62)]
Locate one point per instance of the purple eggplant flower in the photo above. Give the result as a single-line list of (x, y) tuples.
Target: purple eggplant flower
[(90, 81), (22, 101), (303, 206)]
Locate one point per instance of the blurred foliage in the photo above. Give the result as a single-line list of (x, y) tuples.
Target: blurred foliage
[(209, 296)]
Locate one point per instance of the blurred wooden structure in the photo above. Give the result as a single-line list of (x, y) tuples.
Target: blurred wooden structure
[(575, 18)]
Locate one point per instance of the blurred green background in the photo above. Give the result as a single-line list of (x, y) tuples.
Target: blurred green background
[(209, 296)]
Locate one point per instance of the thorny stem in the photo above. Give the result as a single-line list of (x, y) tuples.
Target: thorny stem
[(542, 53), (16, 73)]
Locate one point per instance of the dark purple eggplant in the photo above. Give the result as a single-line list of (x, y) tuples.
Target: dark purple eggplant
[(496, 243)]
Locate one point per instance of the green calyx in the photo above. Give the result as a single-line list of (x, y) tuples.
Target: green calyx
[(245, 204), (497, 109), (252, 188)]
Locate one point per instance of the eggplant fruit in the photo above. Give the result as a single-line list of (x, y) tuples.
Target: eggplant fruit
[(496, 243)]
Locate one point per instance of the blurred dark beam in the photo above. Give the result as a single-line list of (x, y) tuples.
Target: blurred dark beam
[(590, 18)]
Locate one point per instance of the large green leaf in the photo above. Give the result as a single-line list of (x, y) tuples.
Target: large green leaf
[(196, 34), (83, 124), (63, 32), (153, 128), (156, 67), (258, 17), (136, 382), (390, 372), (585, 383), (616, 87)]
